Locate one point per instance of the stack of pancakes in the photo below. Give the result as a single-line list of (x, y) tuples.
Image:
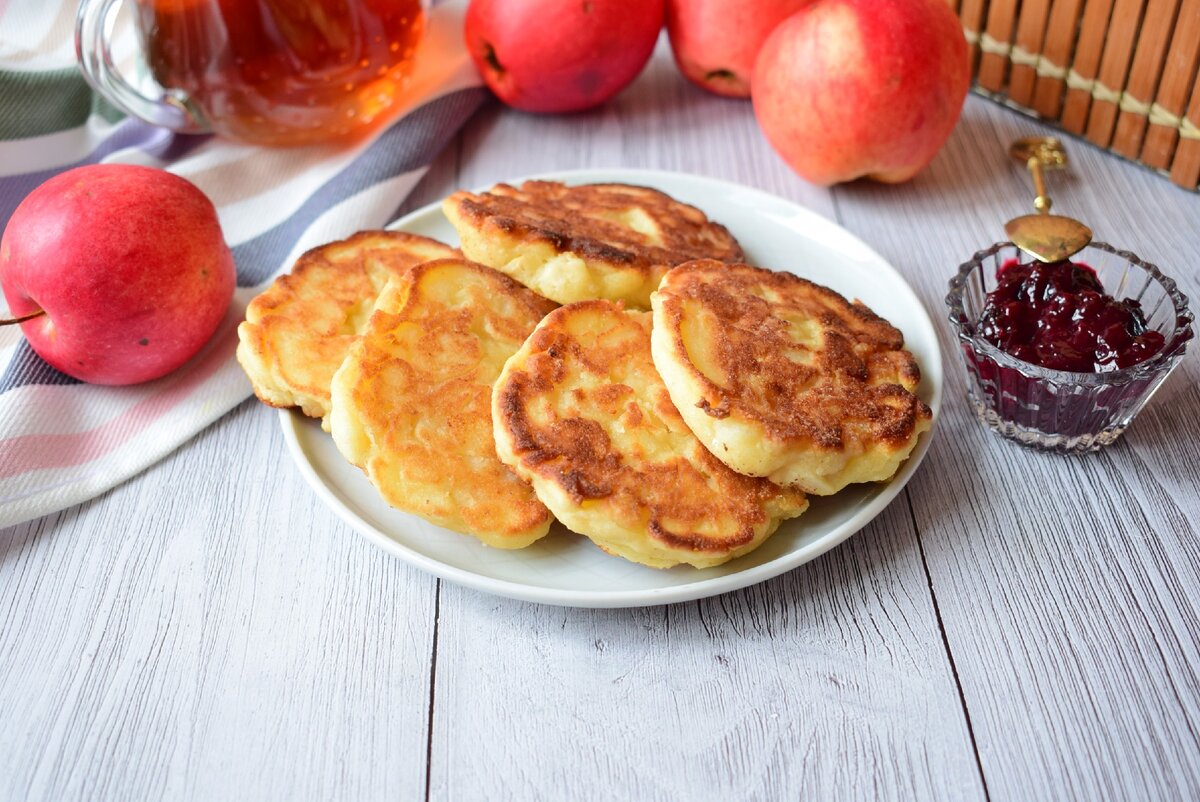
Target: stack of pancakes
[(597, 354)]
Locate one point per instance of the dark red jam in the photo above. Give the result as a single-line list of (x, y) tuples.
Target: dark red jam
[(1057, 315)]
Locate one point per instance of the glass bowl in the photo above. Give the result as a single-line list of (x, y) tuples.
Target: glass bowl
[(1054, 409)]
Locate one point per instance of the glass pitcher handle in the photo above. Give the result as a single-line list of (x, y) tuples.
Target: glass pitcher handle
[(94, 51)]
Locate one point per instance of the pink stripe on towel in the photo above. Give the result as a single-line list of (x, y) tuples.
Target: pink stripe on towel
[(34, 452)]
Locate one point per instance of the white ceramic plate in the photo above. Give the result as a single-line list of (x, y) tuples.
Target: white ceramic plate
[(564, 568)]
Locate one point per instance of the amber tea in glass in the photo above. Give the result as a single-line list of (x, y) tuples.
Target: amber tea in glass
[(273, 72)]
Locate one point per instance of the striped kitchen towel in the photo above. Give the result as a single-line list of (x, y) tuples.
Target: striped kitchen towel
[(61, 441)]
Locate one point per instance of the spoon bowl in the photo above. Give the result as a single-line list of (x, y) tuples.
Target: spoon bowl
[(1048, 237)]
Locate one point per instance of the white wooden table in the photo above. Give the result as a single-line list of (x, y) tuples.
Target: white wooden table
[(1015, 626)]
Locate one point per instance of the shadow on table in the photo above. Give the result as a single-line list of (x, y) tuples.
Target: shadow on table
[(958, 176)]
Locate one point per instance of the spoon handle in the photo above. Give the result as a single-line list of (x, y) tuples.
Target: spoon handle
[(1042, 202), (1040, 153)]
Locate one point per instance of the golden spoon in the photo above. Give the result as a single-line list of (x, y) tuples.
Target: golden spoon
[(1049, 237)]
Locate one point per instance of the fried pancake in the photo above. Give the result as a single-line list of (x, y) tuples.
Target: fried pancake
[(783, 378), (298, 330), (578, 243), (412, 401), (581, 413)]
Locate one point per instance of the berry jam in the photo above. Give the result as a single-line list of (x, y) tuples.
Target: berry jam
[(1057, 315)]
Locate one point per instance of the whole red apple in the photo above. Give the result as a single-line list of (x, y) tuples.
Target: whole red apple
[(715, 42), (850, 88), (129, 265), (560, 55)]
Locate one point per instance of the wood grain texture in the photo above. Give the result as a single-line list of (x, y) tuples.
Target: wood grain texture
[(1031, 32), (1001, 23), (1148, 61), (1068, 585), (1114, 69), (1057, 52), (1185, 166), (1085, 61), (829, 682), (1015, 626), (1178, 79), (210, 631)]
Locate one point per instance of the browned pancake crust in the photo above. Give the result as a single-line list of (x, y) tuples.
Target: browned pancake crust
[(582, 219), (838, 393), (299, 329), (415, 392), (676, 496)]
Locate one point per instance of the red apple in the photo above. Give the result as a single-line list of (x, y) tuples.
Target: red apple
[(129, 266), (850, 88), (715, 42), (560, 55)]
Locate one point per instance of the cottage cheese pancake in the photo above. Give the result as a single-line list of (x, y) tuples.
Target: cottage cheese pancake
[(580, 412), (783, 378), (297, 332), (611, 241), (412, 401)]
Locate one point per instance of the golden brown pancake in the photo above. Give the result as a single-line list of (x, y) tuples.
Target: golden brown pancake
[(786, 379), (412, 401), (580, 412), (298, 330), (575, 243)]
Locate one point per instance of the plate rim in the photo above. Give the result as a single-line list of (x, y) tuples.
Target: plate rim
[(291, 422)]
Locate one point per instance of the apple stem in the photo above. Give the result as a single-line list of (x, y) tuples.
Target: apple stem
[(22, 318), (489, 55)]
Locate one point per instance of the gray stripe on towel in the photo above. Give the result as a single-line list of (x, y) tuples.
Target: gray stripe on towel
[(411, 143)]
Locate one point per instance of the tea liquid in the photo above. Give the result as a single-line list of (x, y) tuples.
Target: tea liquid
[(283, 72)]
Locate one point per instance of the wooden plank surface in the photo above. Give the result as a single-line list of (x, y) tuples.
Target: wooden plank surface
[(830, 682), (829, 679), (1068, 585), (1015, 626), (210, 630)]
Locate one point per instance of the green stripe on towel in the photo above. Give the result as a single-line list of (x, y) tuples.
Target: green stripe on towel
[(40, 103)]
